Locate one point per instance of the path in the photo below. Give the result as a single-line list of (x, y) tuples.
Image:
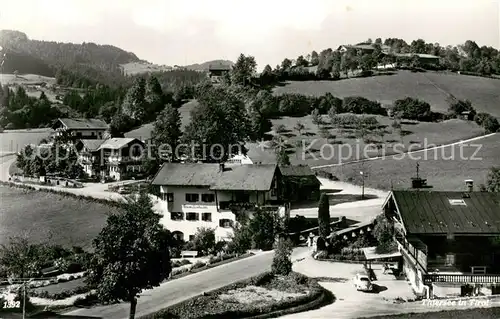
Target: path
[(361, 210), (175, 291), (407, 153)]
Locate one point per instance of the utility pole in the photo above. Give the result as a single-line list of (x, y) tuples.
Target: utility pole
[(24, 282)]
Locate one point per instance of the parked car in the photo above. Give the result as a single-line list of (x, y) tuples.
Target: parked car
[(362, 282)]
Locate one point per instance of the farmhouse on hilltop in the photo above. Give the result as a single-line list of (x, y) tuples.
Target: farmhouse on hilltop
[(449, 240), (217, 71), (79, 128), (213, 195)]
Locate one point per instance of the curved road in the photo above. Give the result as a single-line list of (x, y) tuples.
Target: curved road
[(177, 290)]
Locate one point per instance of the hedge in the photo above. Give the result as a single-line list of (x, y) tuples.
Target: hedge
[(60, 295), (199, 306)]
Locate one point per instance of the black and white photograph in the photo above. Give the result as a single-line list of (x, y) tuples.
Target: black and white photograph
[(205, 159)]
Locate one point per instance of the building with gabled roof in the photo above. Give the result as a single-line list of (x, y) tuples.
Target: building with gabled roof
[(300, 184), (80, 128), (448, 240), (197, 195)]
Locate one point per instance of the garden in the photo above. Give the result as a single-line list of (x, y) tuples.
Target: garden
[(272, 294)]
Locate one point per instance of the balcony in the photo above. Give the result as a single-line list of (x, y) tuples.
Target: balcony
[(462, 278), (230, 205), (116, 159)]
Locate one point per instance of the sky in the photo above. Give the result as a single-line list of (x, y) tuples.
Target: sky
[(181, 32)]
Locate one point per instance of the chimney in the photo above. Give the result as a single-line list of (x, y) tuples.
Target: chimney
[(470, 185), (221, 167)]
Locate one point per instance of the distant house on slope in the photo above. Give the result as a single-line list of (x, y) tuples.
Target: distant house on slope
[(217, 71), (122, 156)]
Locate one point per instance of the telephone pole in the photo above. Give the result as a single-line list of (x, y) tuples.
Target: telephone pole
[(24, 282), (362, 185)]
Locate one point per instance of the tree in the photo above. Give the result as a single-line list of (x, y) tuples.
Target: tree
[(316, 117), (219, 124), (324, 216), (491, 125), (299, 127), (120, 124), (264, 227), (282, 260), (204, 240), (20, 257), (134, 104), (325, 132), (457, 107), (167, 132), (314, 58), (280, 128), (241, 240), (286, 64), (383, 231), (131, 253), (243, 70), (154, 97), (301, 61), (493, 182), (282, 158), (267, 76)]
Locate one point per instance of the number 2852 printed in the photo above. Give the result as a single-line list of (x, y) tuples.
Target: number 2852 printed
[(12, 304)]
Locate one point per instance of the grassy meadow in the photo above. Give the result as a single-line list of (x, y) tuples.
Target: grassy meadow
[(311, 148), (432, 87), (444, 169)]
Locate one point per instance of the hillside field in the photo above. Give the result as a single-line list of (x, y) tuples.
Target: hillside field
[(347, 147), (133, 68), (31, 83), (432, 87), (444, 169)]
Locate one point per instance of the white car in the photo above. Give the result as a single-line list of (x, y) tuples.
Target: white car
[(362, 282)]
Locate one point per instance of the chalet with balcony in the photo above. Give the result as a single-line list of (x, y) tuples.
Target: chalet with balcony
[(300, 184), (197, 195), (79, 128), (89, 156), (217, 71), (449, 240), (122, 157)]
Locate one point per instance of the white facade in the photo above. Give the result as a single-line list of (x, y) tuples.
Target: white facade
[(240, 159), (83, 134)]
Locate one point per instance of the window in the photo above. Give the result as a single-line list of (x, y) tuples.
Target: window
[(192, 216), (225, 223), (169, 197), (273, 192), (208, 198), (192, 198), (206, 217), (177, 216)]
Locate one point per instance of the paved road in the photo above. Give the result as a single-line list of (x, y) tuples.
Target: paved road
[(187, 287)]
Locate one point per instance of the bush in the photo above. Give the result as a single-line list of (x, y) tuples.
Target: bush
[(60, 295), (198, 265), (325, 174), (361, 105), (412, 109), (89, 300)]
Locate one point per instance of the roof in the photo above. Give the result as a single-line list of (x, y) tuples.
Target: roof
[(92, 145), (420, 55), (219, 67), (371, 254), (117, 143), (82, 123), (432, 212), (296, 170), (251, 177)]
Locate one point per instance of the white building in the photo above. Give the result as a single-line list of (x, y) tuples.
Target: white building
[(198, 195)]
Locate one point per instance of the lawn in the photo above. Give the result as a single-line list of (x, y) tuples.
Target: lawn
[(308, 148), (431, 87), (144, 132), (483, 313), (52, 218), (442, 172), (15, 140)]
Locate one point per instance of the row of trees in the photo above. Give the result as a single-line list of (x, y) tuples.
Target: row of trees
[(468, 57)]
